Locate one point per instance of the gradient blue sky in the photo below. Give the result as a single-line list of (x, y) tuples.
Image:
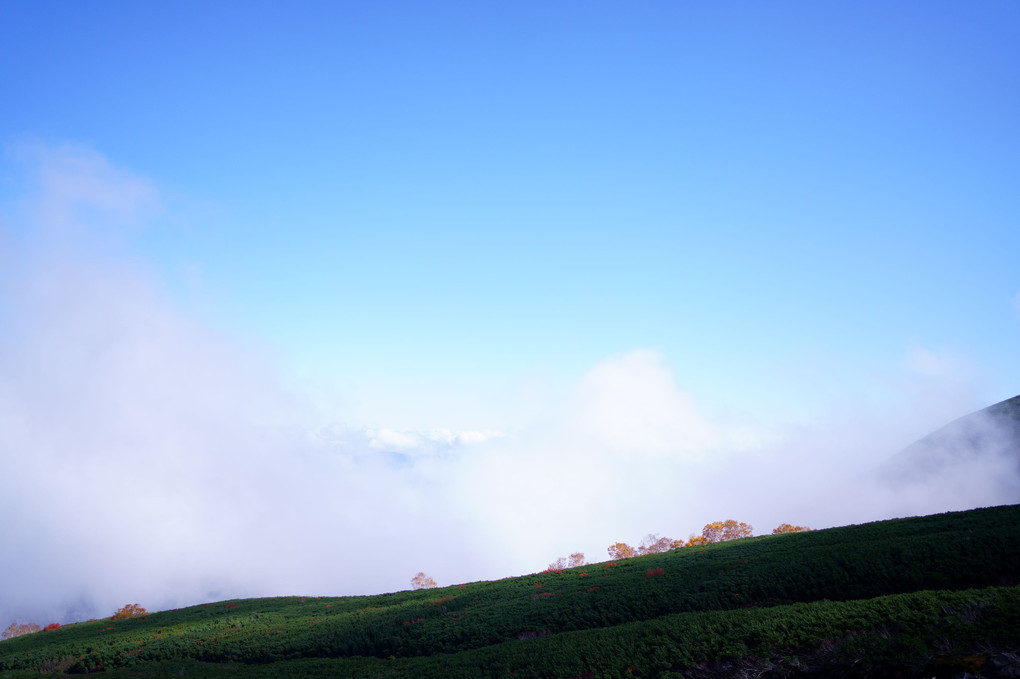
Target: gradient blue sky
[(463, 192), (427, 216)]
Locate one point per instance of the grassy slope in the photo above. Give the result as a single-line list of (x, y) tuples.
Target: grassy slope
[(883, 595)]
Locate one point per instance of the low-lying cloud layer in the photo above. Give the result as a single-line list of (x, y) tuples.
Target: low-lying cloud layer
[(147, 458)]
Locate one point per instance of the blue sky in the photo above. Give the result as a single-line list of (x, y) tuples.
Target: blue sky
[(662, 229)]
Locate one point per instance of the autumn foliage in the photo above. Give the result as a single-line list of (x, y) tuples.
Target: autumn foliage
[(129, 611), (721, 531), (717, 531), (18, 629), (620, 550), (787, 528), (422, 581)]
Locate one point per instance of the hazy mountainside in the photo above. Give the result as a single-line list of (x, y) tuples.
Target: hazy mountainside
[(989, 437), (995, 428), (895, 598)]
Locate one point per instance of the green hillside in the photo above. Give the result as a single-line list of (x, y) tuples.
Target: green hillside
[(928, 594)]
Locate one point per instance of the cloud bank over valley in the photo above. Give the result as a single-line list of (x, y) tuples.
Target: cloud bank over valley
[(149, 456)]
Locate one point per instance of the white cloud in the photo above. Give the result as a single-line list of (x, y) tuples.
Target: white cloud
[(387, 439), (79, 176), (435, 440), (168, 460), (631, 404), (79, 196), (930, 363), (468, 438)]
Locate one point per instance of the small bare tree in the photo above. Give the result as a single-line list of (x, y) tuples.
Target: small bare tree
[(17, 629), (422, 581), (653, 544)]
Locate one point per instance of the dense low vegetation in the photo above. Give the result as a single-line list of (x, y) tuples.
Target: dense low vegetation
[(904, 596)]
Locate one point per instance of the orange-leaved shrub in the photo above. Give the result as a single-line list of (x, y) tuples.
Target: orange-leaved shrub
[(129, 611)]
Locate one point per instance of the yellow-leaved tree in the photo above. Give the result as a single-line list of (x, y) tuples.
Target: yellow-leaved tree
[(787, 528), (620, 550), (721, 531), (130, 611)]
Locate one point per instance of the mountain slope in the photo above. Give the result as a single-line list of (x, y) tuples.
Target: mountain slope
[(986, 440), (884, 596)]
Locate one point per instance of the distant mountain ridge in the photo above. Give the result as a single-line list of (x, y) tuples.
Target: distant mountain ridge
[(989, 437), (1008, 414)]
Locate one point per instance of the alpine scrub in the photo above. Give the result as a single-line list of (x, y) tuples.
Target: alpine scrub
[(887, 597)]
